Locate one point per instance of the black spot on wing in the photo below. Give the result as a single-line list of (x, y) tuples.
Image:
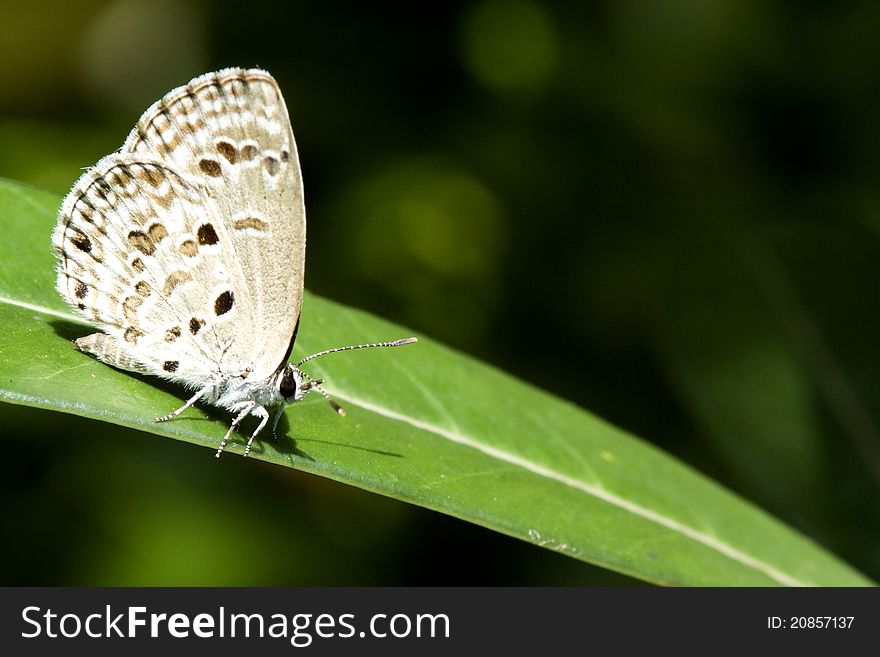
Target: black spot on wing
[(81, 242), (228, 151), (210, 167), (224, 302), (271, 165), (207, 235)]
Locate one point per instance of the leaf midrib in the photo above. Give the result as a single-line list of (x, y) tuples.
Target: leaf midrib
[(44, 310), (584, 487)]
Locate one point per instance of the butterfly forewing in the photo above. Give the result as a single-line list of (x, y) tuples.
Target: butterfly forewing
[(191, 239)]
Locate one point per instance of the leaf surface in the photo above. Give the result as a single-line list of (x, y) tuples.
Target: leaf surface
[(426, 425)]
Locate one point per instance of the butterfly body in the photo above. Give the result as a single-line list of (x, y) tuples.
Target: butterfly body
[(186, 248)]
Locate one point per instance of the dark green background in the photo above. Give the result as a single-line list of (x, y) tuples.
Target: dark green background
[(666, 212)]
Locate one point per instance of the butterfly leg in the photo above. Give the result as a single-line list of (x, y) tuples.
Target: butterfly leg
[(276, 420), (246, 408), (192, 400), (263, 414)]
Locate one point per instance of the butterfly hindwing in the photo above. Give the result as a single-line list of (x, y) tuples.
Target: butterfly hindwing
[(126, 263)]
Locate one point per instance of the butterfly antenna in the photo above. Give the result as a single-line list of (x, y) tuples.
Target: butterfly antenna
[(316, 384), (393, 343)]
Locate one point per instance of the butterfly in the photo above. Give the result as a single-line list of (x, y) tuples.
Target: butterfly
[(186, 249)]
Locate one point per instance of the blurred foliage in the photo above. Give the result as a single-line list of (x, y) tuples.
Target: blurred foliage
[(667, 212)]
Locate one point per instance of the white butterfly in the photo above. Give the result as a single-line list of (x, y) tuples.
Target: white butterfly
[(187, 247)]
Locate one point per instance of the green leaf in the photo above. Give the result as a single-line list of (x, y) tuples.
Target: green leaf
[(426, 425)]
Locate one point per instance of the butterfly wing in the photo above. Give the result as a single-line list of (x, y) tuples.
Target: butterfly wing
[(191, 239), (122, 266)]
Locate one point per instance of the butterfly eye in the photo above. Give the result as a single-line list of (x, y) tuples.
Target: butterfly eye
[(287, 387)]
